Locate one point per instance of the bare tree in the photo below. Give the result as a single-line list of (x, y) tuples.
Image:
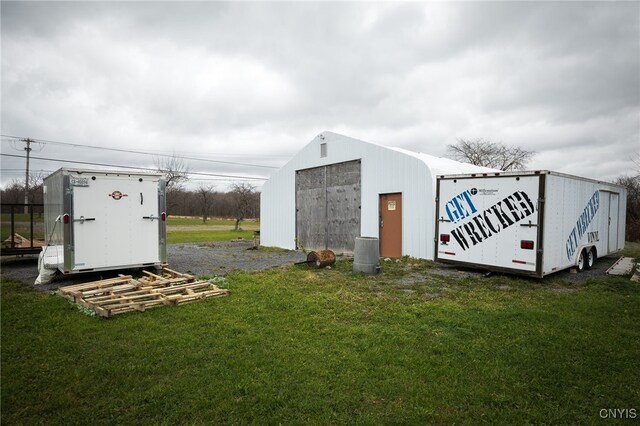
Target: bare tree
[(632, 183), (14, 193), (36, 182), (496, 155), (243, 194), (205, 192), (175, 171)]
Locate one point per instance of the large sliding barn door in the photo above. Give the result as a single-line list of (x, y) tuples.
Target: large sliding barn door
[(328, 207)]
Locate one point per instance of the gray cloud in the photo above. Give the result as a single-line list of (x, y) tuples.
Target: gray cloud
[(262, 79)]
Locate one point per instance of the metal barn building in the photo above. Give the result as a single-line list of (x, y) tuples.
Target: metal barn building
[(338, 188)]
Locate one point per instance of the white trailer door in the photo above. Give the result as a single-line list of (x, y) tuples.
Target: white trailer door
[(613, 222), (489, 221), (115, 222)]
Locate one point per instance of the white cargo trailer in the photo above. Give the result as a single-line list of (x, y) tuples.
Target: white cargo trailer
[(529, 223), (100, 220)]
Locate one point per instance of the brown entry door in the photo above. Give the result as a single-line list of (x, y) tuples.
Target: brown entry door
[(391, 225)]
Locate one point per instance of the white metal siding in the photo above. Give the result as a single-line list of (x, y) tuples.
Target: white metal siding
[(565, 200), (384, 170)]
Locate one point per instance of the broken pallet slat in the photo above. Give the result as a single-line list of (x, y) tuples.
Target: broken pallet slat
[(96, 284), (121, 301), (177, 288), (114, 289), (195, 298)]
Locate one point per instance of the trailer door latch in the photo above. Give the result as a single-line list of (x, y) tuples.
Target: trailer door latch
[(151, 217), (529, 225), (83, 219)]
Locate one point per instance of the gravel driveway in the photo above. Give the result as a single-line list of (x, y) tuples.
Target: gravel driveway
[(196, 258), (218, 258)]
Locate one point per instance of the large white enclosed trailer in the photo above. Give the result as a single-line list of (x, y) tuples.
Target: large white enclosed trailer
[(100, 220), (530, 223)]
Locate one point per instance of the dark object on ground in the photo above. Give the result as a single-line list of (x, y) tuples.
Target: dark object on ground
[(320, 259)]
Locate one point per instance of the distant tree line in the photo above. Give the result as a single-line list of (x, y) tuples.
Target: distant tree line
[(14, 192), (205, 202), (243, 202)]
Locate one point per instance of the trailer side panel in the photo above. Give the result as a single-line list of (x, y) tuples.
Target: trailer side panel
[(489, 221)]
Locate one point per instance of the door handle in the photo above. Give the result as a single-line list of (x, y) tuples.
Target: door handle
[(151, 217)]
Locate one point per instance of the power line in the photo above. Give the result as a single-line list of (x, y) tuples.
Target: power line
[(129, 151), (22, 170), (132, 167), (154, 152)]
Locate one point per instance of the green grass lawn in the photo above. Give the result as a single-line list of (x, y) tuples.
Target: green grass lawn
[(295, 346), (22, 225), (192, 221), (23, 229), (203, 234), (22, 217), (174, 237)]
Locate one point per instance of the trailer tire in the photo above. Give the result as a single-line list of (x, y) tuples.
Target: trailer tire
[(582, 261), (590, 258)]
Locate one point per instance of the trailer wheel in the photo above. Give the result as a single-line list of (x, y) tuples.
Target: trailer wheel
[(590, 258), (582, 260)]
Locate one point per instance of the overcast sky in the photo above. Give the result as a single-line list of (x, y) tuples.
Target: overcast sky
[(253, 83)]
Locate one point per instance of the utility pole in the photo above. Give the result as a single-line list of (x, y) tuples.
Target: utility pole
[(26, 179)]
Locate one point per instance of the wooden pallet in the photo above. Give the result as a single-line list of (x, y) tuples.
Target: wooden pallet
[(18, 241), (125, 294)]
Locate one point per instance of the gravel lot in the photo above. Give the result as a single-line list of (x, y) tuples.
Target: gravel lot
[(220, 258), (197, 259)]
